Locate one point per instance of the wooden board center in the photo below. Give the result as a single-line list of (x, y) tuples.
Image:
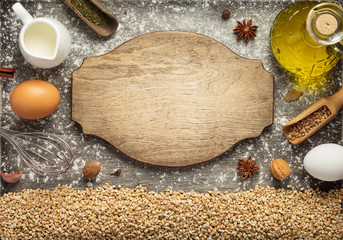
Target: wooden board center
[(172, 98)]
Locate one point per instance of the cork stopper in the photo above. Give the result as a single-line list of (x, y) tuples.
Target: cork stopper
[(326, 24)]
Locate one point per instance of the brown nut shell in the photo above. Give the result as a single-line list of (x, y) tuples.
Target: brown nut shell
[(280, 168), (91, 169)]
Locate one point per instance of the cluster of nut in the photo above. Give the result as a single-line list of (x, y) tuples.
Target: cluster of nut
[(304, 126)]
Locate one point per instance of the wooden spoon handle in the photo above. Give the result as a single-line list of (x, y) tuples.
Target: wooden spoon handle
[(337, 99)]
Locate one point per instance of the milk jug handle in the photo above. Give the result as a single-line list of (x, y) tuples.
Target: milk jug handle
[(22, 13)]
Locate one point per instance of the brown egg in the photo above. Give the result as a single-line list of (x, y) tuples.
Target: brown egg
[(34, 99)]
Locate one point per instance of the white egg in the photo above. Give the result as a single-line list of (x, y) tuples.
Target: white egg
[(325, 162)]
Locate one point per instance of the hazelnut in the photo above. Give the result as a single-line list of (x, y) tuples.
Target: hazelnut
[(226, 14), (91, 169), (280, 168)]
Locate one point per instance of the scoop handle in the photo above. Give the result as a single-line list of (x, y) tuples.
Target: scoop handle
[(337, 99)]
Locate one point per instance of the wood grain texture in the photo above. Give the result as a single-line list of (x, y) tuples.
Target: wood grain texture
[(172, 98)]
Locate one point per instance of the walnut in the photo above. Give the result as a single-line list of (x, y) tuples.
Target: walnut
[(280, 168)]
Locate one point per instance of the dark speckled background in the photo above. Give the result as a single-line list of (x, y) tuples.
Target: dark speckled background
[(203, 17)]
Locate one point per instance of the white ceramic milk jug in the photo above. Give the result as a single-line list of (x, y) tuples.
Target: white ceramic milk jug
[(44, 42)]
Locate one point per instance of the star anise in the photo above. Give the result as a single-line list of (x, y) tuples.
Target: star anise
[(247, 167), (245, 29)]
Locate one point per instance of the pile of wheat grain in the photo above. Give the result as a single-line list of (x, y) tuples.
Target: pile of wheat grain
[(109, 213)]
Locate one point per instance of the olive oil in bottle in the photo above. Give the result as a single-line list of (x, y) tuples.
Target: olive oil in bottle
[(299, 46)]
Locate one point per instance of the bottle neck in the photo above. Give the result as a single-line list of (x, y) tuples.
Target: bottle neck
[(324, 25), (308, 39)]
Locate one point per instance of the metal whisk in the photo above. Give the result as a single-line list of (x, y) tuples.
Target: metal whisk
[(45, 153)]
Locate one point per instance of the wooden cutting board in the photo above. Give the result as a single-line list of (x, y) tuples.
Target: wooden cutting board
[(172, 98)]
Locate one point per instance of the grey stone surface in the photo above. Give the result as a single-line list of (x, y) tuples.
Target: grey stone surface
[(142, 17)]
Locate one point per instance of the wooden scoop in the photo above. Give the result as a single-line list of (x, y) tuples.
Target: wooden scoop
[(105, 31), (333, 103)]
